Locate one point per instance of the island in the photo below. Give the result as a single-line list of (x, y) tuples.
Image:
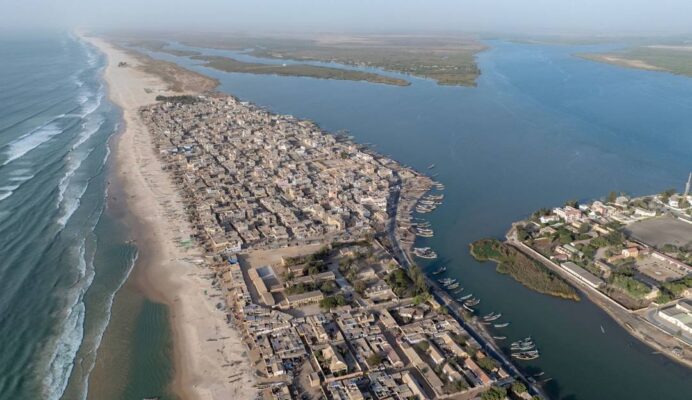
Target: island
[(229, 64), (446, 59), (632, 256)]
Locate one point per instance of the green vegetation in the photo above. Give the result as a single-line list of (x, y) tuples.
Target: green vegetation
[(185, 99), (330, 302), (300, 288), (673, 290), (494, 393), (530, 273), (518, 387), (411, 284), (314, 263), (449, 60), (674, 59), (487, 363), (630, 285), (611, 197), (375, 359), (455, 386), (231, 65), (325, 287), (487, 249)]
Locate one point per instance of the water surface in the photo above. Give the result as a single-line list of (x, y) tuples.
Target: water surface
[(541, 128)]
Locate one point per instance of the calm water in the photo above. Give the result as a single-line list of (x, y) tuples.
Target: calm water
[(63, 255), (542, 127)]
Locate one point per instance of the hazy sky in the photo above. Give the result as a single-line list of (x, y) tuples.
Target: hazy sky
[(545, 16)]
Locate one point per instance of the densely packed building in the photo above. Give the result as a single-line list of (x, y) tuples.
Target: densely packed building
[(259, 180)]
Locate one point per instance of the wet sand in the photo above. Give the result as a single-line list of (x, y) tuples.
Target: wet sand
[(205, 346)]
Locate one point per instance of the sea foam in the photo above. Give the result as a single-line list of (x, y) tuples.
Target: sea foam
[(29, 141)]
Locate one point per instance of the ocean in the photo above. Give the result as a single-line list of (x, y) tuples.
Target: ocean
[(542, 127), (64, 255)]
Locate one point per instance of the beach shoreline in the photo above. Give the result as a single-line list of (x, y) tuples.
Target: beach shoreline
[(167, 271)]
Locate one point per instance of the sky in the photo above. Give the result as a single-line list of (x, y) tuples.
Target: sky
[(517, 16)]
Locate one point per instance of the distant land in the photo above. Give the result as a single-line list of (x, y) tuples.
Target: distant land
[(448, 60), (229, 64), (676, 59)]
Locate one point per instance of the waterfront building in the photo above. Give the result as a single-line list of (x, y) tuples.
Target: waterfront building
[(679, 314)]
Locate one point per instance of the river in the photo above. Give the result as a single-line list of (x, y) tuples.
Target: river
[(541, 127)]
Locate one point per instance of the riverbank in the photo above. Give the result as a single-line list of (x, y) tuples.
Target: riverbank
[(530, 274), (674, 59), (168, 270), (588, 247)]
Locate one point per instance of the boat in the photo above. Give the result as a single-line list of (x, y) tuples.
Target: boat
[(472, 302), (526, 355), (501, 325), (491, 318), (467, 308), (468, 296), (524, 340), (496, 317), (424, 232), (424, 209), (425, 252), (431, 166), (447, 281), (499, 337), (522, 343), (459, 290), (439, 271), (526, 347), (453, 286)]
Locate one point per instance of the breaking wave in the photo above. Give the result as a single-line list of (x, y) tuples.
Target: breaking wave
[(68, 342), (29, 141)]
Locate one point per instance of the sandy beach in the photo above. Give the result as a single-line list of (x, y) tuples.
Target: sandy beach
[(209, 354)]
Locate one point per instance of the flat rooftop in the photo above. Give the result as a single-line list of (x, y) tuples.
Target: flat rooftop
[(582, 273)]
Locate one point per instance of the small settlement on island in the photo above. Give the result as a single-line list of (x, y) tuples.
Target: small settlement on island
[(634, 251)]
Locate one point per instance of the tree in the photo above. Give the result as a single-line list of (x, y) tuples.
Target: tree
[(572, 203), (328, 303), (375, 359), (327, 287), (518, 387), (665, 195), (611, 197), (487, 363), (522, 233), (494, 393), (359, 286)]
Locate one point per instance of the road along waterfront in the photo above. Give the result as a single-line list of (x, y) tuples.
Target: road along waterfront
[(533, 133)]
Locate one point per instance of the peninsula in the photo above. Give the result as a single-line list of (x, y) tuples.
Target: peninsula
[(296, 225), (630, 256), (278, 248)]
